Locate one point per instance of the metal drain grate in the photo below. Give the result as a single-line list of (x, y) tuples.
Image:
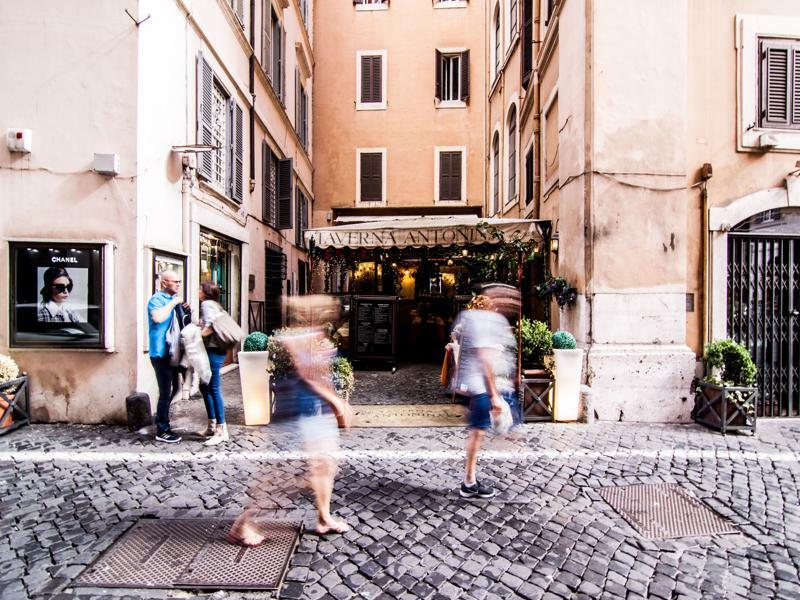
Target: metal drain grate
[(662, 511), (193, 553)]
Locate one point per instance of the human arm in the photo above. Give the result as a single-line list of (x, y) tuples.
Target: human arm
[(485, 359), (159, 314)]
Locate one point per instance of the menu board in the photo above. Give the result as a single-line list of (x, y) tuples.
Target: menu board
[(374, 320)]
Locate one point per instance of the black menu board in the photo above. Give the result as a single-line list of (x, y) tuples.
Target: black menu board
[(374, 319)]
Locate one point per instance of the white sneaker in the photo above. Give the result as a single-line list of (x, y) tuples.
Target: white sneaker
[(220, 436), (210, 430)]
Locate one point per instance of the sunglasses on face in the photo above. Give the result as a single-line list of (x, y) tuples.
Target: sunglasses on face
[(60, 288)]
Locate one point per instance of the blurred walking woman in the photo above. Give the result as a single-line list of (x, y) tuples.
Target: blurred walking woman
[(217, 430), (55, 297)]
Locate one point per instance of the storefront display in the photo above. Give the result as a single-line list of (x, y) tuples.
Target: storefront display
[(57, 295), (167, 261), (220, 264)]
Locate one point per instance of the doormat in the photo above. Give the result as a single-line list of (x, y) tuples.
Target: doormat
[(409, 415), (664, 511), (193, 554)]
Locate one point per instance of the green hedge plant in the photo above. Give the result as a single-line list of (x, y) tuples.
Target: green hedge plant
[(564, 340), (733, 362), (255, 342), (537, 342)]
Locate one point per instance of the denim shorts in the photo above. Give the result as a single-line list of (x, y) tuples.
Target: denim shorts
[(479, 412)]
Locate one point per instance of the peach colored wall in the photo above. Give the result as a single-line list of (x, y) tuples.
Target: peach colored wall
[(411, 126), (73, 81), (712, 134)]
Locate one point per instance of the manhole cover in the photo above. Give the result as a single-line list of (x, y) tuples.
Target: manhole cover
[(193, 553), (660, 511)]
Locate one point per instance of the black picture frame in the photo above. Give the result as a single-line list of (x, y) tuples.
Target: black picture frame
[(81, 323)]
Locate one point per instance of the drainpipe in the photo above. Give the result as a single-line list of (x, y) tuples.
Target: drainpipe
[(186, 195), (706, 317), (252, 110)]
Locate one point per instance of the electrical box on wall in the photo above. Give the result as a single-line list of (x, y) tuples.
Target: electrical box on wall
[(19, 140), (106, 164)]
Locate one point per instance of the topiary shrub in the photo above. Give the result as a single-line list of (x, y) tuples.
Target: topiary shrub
[(537, 341), (255, 342), (564, 340), (733, 360)]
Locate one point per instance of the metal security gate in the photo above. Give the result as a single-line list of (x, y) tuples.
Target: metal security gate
[(764, 313)]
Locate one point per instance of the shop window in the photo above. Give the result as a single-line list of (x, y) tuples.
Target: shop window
[(167, 261), (58, 295), (220, 264), (452, 76)]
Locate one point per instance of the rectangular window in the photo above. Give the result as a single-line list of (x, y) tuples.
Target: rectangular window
[(274, 276), (358, 3), (497, 43), (512, 20), (302, 218), (278, 76), (220, 124), (371, 176), (57, 295), (238, 8), (301, 113), (220, 264), (452, 76), (529, 182), (270, 185), (450, 176), (266, 37), (496, 174), (527, 42), (371, 79), (779, 83)]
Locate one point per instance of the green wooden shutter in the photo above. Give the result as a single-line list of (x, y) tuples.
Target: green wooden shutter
[(285, 187), (205, 94)]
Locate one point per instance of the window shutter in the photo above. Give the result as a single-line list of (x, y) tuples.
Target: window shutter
[(455, 175), (276, 58), (239, 8), (266, 38), (285, 193), (449, 176), (298, 221), (438, 86), (496, 173), (237, 139), (297, 103), (205, 83), (371, 177), (283, 65), (529, 177), (775, 84), (465, 76), (358, 2), (272, 191), (527, 42), (265, 160), (377, 88), (796, 86)]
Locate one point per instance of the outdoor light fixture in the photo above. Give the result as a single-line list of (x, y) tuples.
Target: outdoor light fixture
[(450, 262), (394, 265), (554, 245), (465, 252)]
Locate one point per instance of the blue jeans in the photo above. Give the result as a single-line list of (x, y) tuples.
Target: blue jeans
[(212, 391), (168, 386)]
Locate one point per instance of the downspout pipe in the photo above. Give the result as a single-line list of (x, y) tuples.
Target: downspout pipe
[(252, 109)]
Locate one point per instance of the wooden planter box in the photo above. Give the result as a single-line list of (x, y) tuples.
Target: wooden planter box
[(14, 404), (536, 396), (715, 408)]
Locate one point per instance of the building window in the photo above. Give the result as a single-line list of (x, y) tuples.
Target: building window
[(301, 116), (220, 264), (530, 184), (304, 12), (512, 19), (277, 189), (452, 76), (527, 42), (779, 83), (450, 3), (512, 154), (496, 174), (450, 174), (274, 276), (238, 8), (551, 6), (266, 37), (371, 80), (302, 218), (371, 175), (220, 124), (497, 39), (278, 76), (371, 4), (57, 295)]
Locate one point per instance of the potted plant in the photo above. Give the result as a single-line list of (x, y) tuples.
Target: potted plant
[(568, 360), (536, 390), (725, 399), (13, 395), (254, 378)]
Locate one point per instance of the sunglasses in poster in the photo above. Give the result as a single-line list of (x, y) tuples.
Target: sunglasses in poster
[(60, 288)]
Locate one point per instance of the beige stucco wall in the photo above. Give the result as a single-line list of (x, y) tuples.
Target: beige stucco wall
[(411, 126), (75, 86)]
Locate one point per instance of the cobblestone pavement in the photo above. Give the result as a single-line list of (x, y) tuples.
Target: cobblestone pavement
[(68, 492), (409, 384)]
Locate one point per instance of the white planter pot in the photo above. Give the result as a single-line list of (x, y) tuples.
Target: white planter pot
[(254, 377), (568, 369)]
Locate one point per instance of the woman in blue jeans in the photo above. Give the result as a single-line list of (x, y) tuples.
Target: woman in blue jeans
[(217, 431)]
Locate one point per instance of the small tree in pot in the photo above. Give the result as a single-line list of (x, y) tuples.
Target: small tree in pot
[(537, 370), (725, 399), (254, 377)]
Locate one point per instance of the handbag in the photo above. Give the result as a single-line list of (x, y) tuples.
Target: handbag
[(226, 330)]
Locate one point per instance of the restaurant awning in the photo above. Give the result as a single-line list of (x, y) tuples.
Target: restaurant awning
[(424, 232)]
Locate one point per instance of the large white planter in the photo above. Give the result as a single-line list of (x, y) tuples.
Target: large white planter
[(568, 368), (255, 387)]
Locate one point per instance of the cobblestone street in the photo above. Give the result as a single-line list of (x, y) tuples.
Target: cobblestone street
[(69, 491)]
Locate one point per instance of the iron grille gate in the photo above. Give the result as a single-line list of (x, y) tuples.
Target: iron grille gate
[(763, 314)]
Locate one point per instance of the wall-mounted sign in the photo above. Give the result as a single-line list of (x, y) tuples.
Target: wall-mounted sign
[(57, 295)]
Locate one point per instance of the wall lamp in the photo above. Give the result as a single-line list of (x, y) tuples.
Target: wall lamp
[(554, 245)]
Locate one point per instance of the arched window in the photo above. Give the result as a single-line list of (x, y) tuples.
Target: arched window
[(512, 154), (496, 174), (497, 40)]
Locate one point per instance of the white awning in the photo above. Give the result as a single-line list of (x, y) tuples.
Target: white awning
[(421, 232)]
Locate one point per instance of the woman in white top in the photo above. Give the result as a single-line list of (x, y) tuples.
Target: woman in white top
[(217, 431)]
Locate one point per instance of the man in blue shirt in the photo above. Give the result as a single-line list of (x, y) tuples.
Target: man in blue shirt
[(160, 312)]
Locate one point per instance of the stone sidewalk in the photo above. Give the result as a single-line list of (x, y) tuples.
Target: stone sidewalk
[(68, 492)]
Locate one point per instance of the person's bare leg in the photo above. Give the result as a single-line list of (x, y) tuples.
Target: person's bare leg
[(473, 446), (323, 473), (243, 532)]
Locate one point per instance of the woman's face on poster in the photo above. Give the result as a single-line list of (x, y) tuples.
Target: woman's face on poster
[(60, 289)]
